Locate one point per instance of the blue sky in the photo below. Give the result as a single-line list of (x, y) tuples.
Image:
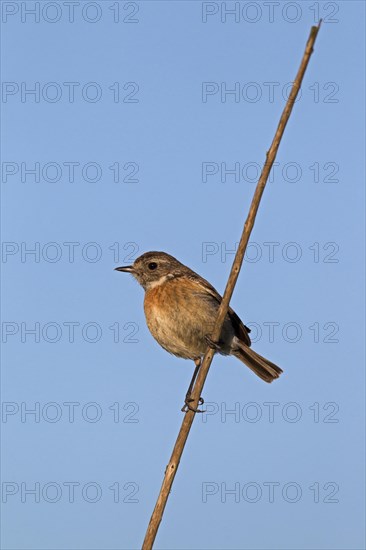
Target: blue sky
[(144, 131)]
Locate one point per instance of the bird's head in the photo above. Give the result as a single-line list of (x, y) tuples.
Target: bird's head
[(153, 268)]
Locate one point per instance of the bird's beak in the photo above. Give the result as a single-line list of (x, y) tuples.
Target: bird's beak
[(126, 268)]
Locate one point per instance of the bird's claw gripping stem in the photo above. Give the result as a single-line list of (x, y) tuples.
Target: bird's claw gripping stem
[(187, 404), (212, 344)]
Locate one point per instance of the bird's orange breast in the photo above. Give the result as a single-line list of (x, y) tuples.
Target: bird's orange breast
[(177, 317)]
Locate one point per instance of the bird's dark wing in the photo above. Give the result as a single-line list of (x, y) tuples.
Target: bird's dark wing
[(241, 331), (205, 289)]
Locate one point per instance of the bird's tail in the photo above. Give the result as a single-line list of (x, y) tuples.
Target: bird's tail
[(262, 367)]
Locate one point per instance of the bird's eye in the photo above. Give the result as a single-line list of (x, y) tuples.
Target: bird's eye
[(152, 265)]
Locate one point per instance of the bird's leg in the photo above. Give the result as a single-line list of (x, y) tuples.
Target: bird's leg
[(198, 364), (188, 398)]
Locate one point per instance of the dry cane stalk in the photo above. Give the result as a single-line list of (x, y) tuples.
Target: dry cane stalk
[(172, 467)]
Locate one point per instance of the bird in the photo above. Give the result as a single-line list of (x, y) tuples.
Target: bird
[(181, 308)]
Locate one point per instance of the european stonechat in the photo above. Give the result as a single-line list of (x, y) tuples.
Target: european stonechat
[(180, 310)]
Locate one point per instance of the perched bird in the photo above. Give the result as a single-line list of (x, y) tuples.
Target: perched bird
[(181, 309)]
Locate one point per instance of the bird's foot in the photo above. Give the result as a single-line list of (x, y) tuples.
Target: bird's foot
[(212, 344), (187, 404)]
